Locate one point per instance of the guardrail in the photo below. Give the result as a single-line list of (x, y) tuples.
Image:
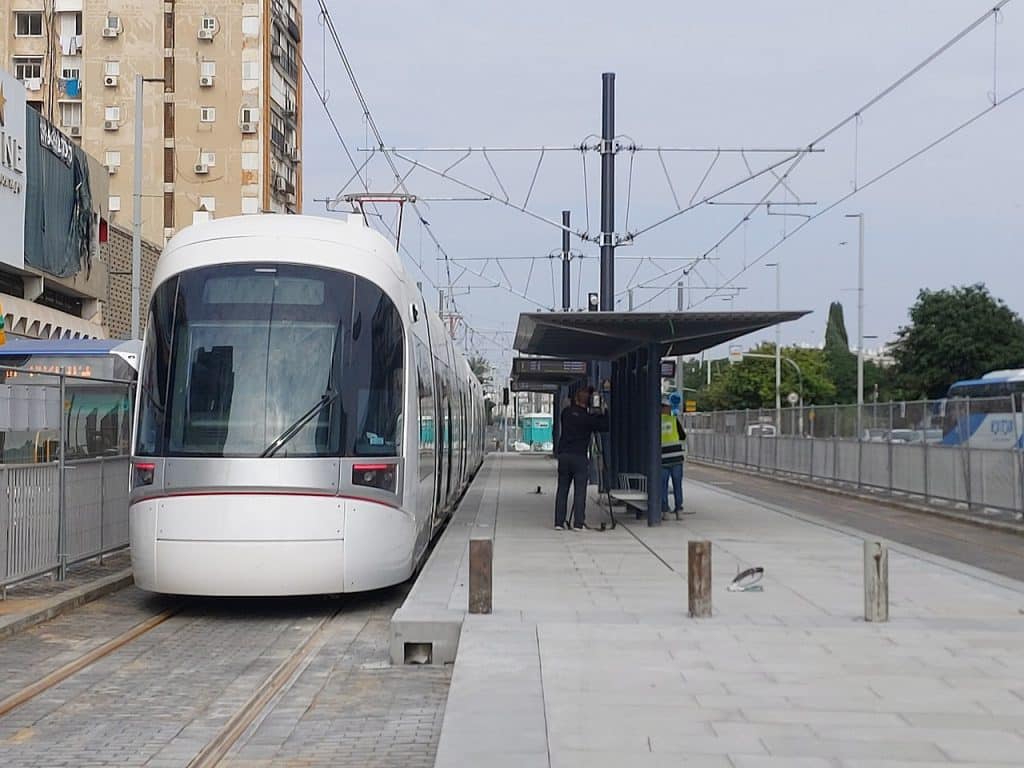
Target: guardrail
[(40, 535), (979, 478)]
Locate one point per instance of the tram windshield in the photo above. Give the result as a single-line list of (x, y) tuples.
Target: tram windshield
[(237, 355)]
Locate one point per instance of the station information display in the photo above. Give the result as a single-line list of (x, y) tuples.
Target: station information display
[(523, 365)]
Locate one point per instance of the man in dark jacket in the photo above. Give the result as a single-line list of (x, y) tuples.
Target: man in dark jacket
[(577, 424)]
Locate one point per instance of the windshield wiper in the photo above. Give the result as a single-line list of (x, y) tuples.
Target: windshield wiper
[(326, 399)]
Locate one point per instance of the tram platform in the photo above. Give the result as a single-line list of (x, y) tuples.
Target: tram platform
[(589, 657)]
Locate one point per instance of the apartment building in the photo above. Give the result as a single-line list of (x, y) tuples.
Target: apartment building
[(222, 99)]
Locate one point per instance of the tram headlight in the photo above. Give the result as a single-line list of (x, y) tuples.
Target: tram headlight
[(382, 476), (142, 473)]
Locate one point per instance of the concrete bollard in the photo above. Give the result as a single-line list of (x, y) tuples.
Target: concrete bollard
[(698, 576), (876, 581), (481, 553)]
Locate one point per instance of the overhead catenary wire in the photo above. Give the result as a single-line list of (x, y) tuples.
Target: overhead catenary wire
[(854, 116)]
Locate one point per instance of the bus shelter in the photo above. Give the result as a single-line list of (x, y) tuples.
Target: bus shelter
[(629, 346)]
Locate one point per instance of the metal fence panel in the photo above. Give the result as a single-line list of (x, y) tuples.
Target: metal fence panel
[(34, 517), (874, 464), (115, 502), (994, 481), (83, 502), (908, 468)]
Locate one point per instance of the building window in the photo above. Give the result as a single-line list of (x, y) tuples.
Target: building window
[(209, 203), (250, 205), (112, 113), (28, 23), (208, 68), (28, 67), (71, 73), (70, 113), (250, 70), (209, 23), (207, 114), (78, 23), (250, 115), (112, 68), (114, 204), (113, 158), (208, 158)]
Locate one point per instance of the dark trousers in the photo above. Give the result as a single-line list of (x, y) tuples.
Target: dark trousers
[(675, 473), (572, 468)]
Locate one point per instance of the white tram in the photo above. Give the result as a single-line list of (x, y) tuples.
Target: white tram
[(304, 423)]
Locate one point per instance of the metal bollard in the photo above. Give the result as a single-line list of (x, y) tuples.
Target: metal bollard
[(481, 553), (699, 578), (876, 581)]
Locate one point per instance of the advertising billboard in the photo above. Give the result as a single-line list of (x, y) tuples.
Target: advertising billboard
[(12, 170)]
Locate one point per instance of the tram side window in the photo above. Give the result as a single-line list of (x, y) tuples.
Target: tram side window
[(379, 408)]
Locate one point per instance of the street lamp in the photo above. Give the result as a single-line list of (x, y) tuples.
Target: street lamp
[(860, 317), (778, 346)]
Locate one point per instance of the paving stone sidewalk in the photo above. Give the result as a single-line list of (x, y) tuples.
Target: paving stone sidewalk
[(589, 658)]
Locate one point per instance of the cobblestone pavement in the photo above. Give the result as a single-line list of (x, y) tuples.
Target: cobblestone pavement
[(349, 707), (28, 656), (160, 699)]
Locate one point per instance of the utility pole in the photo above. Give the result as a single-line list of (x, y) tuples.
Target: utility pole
[(608, 192), (137, 205), (565, 261), (860, 321), (778, 350), (137, 211)]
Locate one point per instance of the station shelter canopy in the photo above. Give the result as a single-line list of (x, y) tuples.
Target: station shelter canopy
[(612, 335)]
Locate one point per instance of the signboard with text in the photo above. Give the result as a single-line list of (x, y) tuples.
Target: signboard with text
[(12, 169)]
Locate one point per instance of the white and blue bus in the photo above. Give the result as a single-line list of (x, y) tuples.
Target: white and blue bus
[(986, 412), (98, 406)]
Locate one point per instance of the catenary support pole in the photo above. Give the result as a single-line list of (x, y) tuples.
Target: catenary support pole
[(62, 470), (137, 211), (565, 262), (607, 303), (778, 350), (680, 305)]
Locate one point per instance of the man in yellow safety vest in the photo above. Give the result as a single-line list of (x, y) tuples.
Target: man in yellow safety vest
[(673, 454)]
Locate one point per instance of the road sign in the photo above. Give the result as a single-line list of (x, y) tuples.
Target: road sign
[(735, 353), (793, 398), (691, 406)]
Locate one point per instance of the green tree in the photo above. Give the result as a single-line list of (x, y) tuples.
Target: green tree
[(958, 333), (842, 363), (751, 383), (481, 368)]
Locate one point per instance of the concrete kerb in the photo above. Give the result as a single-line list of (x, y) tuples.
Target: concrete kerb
[(64, 602), (877, 498), (426, 629)]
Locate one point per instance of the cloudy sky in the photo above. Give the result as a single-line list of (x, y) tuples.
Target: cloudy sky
[(746, 74)]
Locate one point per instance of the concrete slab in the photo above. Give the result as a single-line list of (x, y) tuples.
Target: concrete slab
[(590, 652)]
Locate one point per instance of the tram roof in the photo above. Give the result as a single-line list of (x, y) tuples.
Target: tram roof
[(610, 335)]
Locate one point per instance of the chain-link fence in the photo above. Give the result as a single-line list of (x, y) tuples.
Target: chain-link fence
[(64, 467), (962, 451)]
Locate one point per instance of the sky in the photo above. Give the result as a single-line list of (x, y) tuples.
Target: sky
[(746, 74)]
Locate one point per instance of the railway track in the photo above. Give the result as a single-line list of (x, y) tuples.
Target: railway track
[(59, 675)]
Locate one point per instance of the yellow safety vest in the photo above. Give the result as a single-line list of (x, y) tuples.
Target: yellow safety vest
[(672, 451)]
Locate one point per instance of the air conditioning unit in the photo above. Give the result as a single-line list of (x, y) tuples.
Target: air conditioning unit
[(74, 130), (110, 125), (295, 155), (281, 184), (206, 81), (112, 169), (248, 127), (202, 169), (276, 51), (111, 31), (110, 81), (205, 34)]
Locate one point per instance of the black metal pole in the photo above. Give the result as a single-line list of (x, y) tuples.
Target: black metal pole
[(565, 261), (608, 192), (652, 407)]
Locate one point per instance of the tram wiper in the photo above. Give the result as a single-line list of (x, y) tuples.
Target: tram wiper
[(326, 399)]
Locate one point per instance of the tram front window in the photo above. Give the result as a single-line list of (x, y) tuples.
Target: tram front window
[(237, 355)]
